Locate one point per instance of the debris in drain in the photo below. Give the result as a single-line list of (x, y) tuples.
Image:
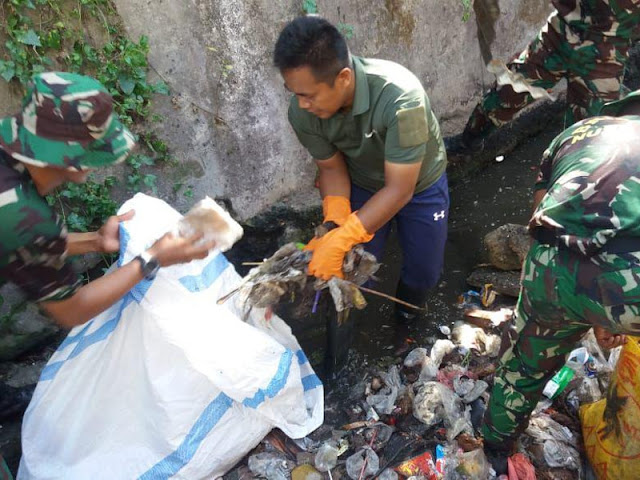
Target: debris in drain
[(420, 417)]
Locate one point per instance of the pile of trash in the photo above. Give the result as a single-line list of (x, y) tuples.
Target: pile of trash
[(284, 278), (420, 419)]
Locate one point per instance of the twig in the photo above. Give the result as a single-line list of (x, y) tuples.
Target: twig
[(364, 464), (251, 264), (226, 297), (388, 297)]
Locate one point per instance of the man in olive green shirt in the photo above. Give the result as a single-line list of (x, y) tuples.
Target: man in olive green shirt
[(369, 126)]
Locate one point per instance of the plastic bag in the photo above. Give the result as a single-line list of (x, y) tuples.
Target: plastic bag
[(520, 468), (473, 465), (560, 454), (167, 382), (440, 349), (611, 427), (388, 474), (470, 337), (434, 402), (326, 457), (385, 400), (356, 461), (270, 466)]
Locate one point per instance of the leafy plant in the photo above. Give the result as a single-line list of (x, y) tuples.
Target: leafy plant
[(85, 206), (309, 6), (47, 34), (467, 6), (346, 30)]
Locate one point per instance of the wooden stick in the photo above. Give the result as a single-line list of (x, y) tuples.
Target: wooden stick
[(388, 297), (251, 264), (226, 297)]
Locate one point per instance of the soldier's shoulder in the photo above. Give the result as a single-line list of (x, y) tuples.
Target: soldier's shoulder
[(27, 219)]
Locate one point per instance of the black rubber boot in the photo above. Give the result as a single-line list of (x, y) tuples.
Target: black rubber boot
[(498, 458), (418, 297), (406, 316)]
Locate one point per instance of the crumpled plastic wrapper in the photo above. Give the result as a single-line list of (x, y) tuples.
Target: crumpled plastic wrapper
[(435, 402), (384, 401), (214, 222), (471, 337), (356, 461)]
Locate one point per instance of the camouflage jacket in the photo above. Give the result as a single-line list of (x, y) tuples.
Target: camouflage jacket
[(591, 172), (33, 241), (610, 18)]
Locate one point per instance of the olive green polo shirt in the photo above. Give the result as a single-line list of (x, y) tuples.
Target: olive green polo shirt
[(390, 119)]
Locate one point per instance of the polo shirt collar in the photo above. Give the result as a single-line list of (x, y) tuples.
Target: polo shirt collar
[(361, 95)]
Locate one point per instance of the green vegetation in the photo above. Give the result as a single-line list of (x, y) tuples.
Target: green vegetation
[(468, 7), (86, 37), (309, 6)]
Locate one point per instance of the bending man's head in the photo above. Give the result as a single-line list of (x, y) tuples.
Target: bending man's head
[(314, 61)]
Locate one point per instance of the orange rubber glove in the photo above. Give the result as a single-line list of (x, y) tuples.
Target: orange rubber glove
[(336, 209), (329, 251), (313, 243)]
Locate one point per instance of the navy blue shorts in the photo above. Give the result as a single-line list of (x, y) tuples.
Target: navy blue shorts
[(422, 231)]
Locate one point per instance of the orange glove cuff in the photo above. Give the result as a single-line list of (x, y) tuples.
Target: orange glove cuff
[(354, 231), (328, 255), (336, 209)]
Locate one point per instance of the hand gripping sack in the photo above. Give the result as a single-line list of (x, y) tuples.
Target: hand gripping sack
[(166, 383)]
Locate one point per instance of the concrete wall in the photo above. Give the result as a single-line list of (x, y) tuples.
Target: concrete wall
[(226, 117)]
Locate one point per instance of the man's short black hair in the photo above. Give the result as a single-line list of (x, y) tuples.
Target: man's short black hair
[(312, 42)]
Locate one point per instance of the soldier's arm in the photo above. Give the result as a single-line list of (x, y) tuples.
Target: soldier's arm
[(98, 295), (538, 195), (95, 297)]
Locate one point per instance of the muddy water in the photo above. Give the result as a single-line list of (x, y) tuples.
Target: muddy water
[(502, 193)]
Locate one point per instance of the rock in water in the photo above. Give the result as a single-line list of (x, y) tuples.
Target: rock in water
[(507, 246)]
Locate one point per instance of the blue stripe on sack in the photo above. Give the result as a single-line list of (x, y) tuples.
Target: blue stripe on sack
[(83, 340), (302, 358), (173, 463), (276, 384), (310, 382), (74, 338), (210, 273), (124, 241), (50, 371)]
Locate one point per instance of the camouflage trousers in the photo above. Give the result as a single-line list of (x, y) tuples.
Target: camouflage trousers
[(563, 295), (593, 68)]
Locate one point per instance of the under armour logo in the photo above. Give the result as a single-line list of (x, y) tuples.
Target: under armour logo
[(438, 216)]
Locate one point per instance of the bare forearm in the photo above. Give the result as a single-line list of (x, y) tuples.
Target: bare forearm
[(95, 297), (538, 195), (334, 177), (382, 207), (81, 243)]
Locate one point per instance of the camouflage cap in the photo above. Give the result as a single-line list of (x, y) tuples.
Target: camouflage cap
[(67, 121), (613, 109)]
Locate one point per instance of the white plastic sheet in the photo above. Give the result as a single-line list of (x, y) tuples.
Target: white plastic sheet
[(166, 383)]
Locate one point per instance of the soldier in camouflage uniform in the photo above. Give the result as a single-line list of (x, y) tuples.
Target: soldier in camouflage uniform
[(66, 128), (583, 269), (585, 41)]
